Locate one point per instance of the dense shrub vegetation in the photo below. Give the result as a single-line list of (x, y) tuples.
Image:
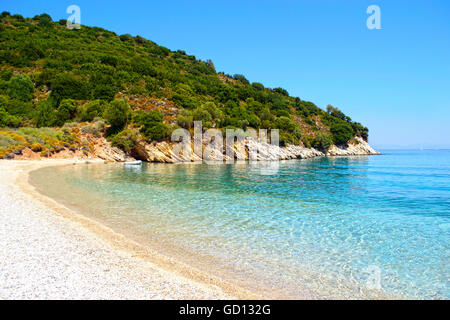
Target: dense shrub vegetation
[(44, 140), (50, 75)]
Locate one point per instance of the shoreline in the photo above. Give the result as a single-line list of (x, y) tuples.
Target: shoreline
[(170, 273), (166, 152), (159, 257)]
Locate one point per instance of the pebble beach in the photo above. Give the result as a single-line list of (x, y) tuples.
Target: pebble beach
[(45, 255)]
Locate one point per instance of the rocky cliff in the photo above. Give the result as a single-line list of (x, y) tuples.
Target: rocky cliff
[(163, 152)]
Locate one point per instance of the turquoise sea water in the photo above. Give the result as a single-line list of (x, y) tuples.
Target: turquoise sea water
[(344, 227)]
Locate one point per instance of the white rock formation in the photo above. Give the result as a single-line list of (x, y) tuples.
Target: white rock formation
[(164, 152)]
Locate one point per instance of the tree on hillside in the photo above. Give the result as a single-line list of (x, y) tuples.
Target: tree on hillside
[(66, 111), (342, 133), (92, 110), (66, 86), (213, 110), (335, 112), (281, 91), (117, 114), (204, 116), (44, 20), (322, 141), (21, 88), (32, 50), (185, 119), (19, 108), (7, 120), (258, 86), (241, 78), (287, 124), (159, 131), (151, 124), (45, 116)]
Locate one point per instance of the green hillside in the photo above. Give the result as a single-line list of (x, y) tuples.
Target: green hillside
[(51, 76)]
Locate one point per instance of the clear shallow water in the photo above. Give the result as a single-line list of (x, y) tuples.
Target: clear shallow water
[(360, 227)]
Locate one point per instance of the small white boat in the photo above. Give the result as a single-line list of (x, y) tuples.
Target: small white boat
[(133, 163)]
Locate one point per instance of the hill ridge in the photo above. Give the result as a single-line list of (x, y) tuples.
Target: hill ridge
[(51, 76)]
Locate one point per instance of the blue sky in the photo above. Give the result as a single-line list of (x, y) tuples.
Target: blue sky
[(395, 80)]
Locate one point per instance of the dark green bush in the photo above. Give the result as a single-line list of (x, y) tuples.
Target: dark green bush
[(360, 130), (322, 141), (341, 133), (290, 138), (46, 77), (21, 88), (117, 114), (93, 109), (184, 96), (46, 114), (103, 87), (253, 121), (157, 132), (6, 75), (126, 38), (31, 50), (65, 112), (281, 91), (151, 125), (20, 108), (204, 116), (185, 119), (287, 124), (147, 119), (258, 86), (335, 112), (66, 86), (241, 78), (8, 120), (44, 20)]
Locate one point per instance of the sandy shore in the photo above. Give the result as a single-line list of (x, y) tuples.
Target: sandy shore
[(47, 252)]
